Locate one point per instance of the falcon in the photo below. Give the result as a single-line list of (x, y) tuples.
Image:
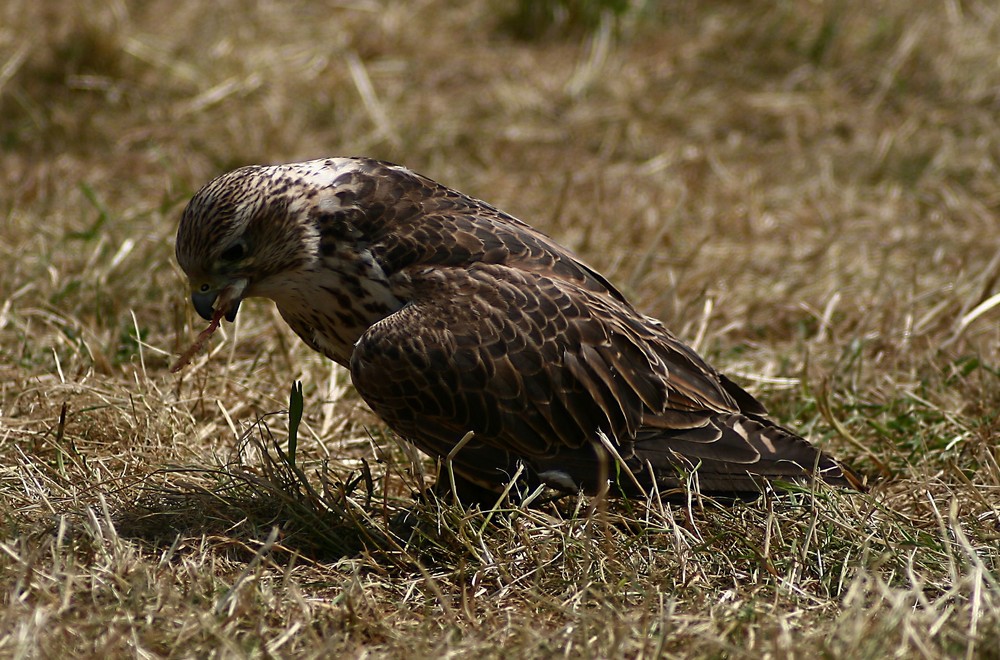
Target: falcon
[(455, 317)]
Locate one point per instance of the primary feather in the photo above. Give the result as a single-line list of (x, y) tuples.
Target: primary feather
[(454, 316)]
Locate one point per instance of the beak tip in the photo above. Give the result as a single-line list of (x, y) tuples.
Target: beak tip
[(204, 304)]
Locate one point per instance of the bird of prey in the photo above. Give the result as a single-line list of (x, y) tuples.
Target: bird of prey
[(453, 316)]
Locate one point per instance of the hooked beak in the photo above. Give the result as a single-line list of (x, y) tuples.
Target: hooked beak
[(226, 300)]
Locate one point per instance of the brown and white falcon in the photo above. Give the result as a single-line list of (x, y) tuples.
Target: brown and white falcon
[(453, 316)]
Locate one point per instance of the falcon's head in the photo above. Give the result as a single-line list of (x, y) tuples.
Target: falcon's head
[(253, 231), (300, 234)]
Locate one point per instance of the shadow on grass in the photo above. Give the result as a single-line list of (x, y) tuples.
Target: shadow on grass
[(324, 517), (262, 502)]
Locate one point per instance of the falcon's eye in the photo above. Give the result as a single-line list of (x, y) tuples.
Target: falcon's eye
[(204, 288), (234, 252)]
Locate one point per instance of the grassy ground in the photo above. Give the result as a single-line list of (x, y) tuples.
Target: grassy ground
[(808, 192)]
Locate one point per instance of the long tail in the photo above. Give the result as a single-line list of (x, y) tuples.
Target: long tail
[(737, 453)]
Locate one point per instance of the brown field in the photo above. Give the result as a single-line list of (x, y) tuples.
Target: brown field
[(808, 192)]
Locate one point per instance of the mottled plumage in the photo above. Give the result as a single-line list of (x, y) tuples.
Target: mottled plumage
[(453, 316)]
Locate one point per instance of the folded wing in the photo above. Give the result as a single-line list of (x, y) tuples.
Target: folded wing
[(540, 368)]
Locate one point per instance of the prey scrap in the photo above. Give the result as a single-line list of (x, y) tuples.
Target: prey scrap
[(222, 309), (199, 342), (455, 317)]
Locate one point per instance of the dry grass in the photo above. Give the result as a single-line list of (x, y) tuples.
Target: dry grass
[(809, 192)]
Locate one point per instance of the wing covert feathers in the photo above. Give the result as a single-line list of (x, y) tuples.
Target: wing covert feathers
[(536, 367)]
